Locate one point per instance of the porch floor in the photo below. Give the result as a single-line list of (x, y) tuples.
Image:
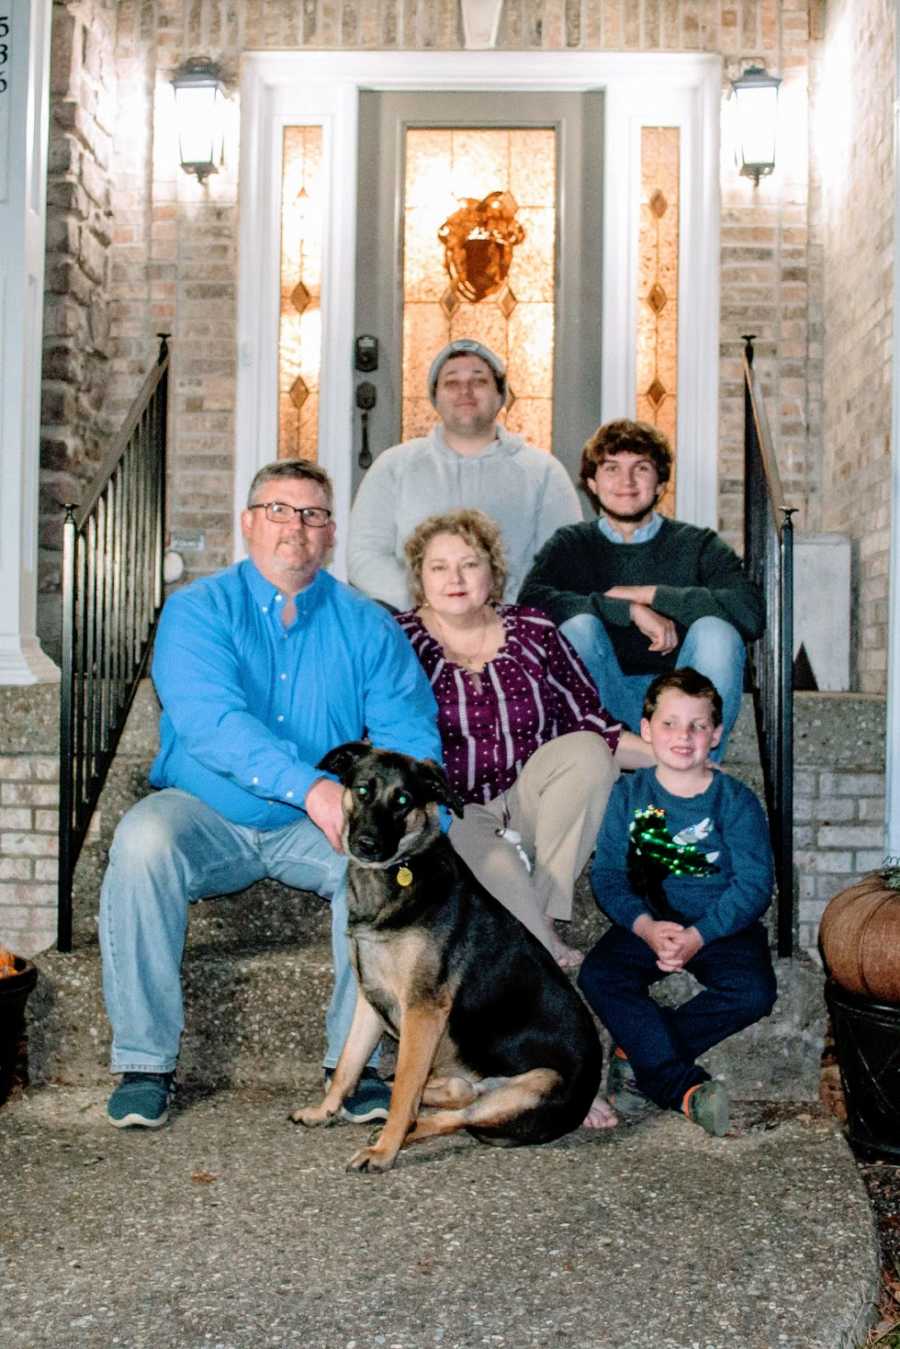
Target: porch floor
[(232, 1228)]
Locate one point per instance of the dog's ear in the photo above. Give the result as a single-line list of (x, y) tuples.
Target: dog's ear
[(435, 783), (343, 758)]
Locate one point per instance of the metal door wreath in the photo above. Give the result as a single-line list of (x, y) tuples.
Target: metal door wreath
[(478, 242)]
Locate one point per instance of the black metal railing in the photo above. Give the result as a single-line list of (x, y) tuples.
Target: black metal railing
[(112, 593), (769, 559)]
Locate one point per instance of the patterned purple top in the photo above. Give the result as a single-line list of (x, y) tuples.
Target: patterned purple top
[(534, 689)]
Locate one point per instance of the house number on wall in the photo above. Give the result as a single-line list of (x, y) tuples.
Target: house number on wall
[(5, 46)]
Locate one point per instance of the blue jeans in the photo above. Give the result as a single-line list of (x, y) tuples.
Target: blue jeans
[(169, 851), (711, 645), (664, 1042)]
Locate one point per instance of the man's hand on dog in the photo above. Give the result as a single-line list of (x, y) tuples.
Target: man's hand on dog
[(324, 806)]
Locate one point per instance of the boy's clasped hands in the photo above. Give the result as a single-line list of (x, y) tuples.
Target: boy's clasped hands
[(673, 944)]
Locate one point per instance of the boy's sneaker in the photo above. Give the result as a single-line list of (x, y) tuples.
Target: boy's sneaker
[(622, 1089), (140, 1100), (707, 1105), (371, 1100)]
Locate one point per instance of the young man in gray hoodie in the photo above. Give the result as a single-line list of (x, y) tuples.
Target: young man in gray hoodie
[(469, 459)]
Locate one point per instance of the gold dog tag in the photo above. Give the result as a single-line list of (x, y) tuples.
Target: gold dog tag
[(404, 876)]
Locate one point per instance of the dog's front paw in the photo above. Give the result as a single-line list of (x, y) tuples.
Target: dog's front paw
[(313, 1116), (371, 1159)]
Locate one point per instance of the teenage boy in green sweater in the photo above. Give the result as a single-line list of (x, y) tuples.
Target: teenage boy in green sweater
[(638, 594)]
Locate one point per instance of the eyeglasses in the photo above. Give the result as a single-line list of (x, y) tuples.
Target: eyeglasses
[(280, 512)]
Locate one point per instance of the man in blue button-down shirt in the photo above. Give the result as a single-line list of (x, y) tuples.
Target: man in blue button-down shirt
[(260, 670)]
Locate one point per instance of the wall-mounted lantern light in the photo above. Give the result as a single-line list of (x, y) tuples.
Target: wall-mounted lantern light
[(199, 109), (756, 100)]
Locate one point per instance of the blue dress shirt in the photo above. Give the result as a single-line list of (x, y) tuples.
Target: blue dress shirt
[(641, 535), (249, 706)]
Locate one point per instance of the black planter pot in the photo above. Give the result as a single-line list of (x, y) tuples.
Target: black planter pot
[(867, 1040), (14, 990)]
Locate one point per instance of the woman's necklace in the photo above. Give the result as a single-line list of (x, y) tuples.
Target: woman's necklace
[(474, 660)]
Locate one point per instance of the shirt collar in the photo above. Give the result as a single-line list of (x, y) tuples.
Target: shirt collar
[(269, 598), (642, 535)]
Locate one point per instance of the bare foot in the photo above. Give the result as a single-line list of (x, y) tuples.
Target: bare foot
[(566, 957), (600, 1116)]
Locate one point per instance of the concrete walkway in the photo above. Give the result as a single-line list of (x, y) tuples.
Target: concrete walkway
[(232, 1228)]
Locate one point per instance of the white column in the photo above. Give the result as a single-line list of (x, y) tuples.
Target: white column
[(891, 751), (24, 110)]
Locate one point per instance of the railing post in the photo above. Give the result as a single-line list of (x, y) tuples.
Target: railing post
[(749, 439), (162, 436), (66, 737), (785, 776), (768, 558)]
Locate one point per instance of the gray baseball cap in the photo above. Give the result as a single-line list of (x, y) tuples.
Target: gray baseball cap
[(467, 346)]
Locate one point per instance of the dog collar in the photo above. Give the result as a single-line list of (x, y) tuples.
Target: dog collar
[(404, 876)]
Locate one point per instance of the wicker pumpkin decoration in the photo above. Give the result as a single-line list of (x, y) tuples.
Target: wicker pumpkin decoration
[(860, 936)]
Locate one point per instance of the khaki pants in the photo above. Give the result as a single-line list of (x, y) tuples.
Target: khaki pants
[(556, 804)]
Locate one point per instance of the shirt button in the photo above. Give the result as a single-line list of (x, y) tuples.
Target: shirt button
[(265, 608), (278, 599), (289, 795), (279, 717), (254, 782), (282, 676)]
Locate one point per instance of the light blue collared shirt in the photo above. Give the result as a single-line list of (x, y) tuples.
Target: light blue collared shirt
[(250, 707), (642, 535)]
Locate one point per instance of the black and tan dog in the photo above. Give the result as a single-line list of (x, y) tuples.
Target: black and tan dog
[(491, 1033)]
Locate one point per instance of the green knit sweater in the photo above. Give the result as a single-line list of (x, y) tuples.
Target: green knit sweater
[(696, 576)]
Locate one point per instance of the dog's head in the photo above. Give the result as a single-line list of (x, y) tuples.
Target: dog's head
[(390, 801)]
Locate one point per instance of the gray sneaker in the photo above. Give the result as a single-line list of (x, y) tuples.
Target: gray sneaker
[(622, 1090), (708, 1106), (371, 1100), (141, 1100)]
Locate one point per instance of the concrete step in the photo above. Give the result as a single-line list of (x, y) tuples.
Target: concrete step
[(831, 730), (255, 1017), (267, 914)]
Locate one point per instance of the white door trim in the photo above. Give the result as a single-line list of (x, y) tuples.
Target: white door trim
[(322, 88)]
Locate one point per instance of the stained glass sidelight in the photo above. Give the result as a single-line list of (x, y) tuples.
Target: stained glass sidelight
[(458, 181), (657, 328), (300, 315)]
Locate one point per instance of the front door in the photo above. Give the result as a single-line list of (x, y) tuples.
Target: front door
[(479, 216), (656, 240)]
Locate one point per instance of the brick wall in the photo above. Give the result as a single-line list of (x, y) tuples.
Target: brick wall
[(838, 837), (77, 343), (853, 111), (29, 816)]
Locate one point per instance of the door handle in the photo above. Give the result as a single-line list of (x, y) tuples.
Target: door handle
[(366, 398)]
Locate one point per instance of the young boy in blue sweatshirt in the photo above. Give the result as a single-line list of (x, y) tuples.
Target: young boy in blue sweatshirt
[(683, 868)]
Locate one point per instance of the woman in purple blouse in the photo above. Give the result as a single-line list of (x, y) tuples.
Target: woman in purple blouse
[(527, 743)]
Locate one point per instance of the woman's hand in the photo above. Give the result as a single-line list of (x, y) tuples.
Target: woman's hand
[(633, 752)]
